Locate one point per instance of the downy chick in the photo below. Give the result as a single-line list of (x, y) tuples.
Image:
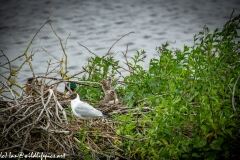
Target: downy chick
[(111, 97)]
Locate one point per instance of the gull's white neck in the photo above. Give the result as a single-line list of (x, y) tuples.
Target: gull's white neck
[(75, 101)]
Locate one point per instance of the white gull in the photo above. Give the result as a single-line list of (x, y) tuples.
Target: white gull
[(83, 110)]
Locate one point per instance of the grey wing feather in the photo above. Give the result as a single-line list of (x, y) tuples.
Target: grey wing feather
[(86, 110)]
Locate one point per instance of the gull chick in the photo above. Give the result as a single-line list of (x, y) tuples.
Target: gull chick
[(105, 86), (110, 95), (109, 91), (83, 110), (31, 85)]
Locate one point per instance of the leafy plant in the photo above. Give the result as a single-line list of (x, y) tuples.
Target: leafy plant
[(192, 97)]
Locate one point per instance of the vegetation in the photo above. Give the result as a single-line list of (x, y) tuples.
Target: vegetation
[(193, 95), (184, 106)]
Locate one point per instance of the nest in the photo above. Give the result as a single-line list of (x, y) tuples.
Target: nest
[(39, 121)]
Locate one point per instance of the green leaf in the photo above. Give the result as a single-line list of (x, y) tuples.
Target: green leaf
[(199, 142), (164, 141), (196, 155), (215, 126), (205, 129), (185, 156), (216, 144), (229, 132), (211, 155), (118, 132)]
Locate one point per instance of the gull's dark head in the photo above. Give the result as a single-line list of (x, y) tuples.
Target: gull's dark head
[(72, 96)]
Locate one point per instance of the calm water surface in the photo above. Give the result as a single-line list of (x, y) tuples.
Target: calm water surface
[(97, 24)]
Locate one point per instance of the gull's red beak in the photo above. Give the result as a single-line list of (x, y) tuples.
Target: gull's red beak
[(68, 98)]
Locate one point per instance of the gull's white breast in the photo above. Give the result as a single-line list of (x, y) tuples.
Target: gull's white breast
[(84, 110)]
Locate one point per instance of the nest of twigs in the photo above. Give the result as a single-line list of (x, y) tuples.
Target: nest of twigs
[(39, 121)]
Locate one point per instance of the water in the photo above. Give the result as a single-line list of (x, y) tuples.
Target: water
[(97, 24)]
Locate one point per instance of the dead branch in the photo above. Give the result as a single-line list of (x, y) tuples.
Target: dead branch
[(117, 41)]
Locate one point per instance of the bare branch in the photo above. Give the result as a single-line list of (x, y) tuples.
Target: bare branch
[(117, 41), (87, 49)]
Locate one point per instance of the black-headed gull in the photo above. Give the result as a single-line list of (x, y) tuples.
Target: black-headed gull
[(83, 110)]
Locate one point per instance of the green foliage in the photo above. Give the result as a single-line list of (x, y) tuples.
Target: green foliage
[(84, 150), (91, 92), (98, 68), (190, 94)]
